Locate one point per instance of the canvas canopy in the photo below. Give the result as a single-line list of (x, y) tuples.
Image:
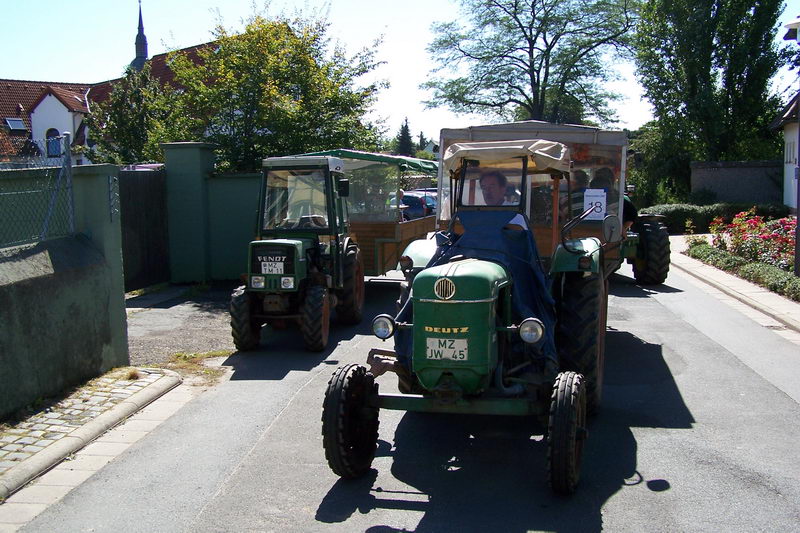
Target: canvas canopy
[(545, 155), (357, 159)]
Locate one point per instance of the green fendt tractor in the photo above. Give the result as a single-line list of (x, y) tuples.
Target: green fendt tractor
[(304, 262)]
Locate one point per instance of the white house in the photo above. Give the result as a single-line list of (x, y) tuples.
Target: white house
[(58, 110), (788, 122)]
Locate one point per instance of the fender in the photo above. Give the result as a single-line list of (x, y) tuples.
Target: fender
[(567, 261), (420, 251)]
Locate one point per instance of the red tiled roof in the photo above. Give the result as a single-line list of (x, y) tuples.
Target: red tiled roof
[(159, 69)]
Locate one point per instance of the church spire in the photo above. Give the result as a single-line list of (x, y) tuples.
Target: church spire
[(141, 44)]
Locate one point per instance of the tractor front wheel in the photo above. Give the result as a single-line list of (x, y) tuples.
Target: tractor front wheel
[(566, 432), (246, 330), (351, 299), (349, 423), (316, 318), (651, 265), (581, 330)]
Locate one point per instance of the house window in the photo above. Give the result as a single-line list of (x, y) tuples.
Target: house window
[(53, 143), (15, 125), (789, 152)]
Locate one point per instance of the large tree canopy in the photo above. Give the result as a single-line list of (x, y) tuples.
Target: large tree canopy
[(538, 59), (127, 127), (275, 89), (706, 68)]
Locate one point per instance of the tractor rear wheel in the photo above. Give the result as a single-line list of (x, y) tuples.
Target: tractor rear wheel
[(316, 317), (566, 432), (245, 329), (349, 424), (581, 331), (351, 299), (651, 265)]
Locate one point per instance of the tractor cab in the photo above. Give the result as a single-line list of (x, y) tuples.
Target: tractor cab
[(303, 262)]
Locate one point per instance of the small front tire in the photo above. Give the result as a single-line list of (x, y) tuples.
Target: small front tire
[(315, 319), (566, 432), (349, 423), (246, 330)]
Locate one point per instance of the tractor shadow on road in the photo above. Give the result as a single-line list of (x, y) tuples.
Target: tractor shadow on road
[(282, 351), (468, 473), (626, 287)]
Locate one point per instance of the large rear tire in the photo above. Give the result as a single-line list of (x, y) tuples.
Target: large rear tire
[(566, 432), (349, 424), (245, 329), (580, 333), (351, 299), (651, 265), (315, 319)]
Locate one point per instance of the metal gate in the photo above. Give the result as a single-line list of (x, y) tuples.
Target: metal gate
[(143, 215)]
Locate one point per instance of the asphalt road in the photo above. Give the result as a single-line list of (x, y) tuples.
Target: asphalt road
[(698, 432)]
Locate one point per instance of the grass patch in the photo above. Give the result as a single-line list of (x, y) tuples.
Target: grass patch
[(192, 364), (147, 290), (768, 276)]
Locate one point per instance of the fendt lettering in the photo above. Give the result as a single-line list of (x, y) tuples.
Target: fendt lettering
[(272, 258), (431, 329)]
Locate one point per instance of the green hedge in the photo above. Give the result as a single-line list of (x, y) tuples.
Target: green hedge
[(702, 215), (768, 276)]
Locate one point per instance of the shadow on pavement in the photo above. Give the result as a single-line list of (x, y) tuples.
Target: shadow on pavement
[(469, 473), (626, 287), (282, 351)]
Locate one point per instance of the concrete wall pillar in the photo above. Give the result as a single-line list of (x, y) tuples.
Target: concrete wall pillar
[(189, 165)]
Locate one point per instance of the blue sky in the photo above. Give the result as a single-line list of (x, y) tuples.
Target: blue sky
[(93, 40)]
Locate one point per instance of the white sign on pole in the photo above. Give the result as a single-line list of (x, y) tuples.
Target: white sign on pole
[(595, 198)]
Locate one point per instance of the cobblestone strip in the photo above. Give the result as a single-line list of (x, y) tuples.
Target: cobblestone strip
[(35, 433)]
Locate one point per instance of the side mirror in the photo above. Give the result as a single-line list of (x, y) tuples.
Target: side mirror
[(612, 229), (343, 187)]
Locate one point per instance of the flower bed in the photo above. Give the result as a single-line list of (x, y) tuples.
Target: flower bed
[(754, 249), (750, 237)]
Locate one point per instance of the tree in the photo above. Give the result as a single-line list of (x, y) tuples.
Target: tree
[(405, 145), (274, 89), (706, 68), (422, 142), (128, 127), (543, 59)]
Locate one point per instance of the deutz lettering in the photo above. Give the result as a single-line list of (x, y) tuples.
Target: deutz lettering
[(432, 329), (272, 258)]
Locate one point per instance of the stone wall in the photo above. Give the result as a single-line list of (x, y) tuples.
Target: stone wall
[(62, 301), (759, 182)]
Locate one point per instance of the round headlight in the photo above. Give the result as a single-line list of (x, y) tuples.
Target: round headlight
[(383, 326), (531, 330)]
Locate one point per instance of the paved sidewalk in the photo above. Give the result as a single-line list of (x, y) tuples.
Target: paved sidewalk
[(40, 441), (781, 309)]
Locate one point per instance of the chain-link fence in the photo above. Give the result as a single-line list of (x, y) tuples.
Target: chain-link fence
[(36, 201)]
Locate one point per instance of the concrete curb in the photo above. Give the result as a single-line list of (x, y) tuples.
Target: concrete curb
[(16, 477), (786, 321)]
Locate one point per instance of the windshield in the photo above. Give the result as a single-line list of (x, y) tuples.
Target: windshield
[(495, 184), (295, 199)]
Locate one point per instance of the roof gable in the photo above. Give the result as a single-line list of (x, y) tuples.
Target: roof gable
[(73, 101)]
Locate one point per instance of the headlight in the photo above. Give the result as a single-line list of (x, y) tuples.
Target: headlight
[(531, 330), (287, 283), (383, 326), (257, 282)]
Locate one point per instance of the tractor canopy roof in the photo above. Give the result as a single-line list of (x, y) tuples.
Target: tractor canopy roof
[(356, 159), (545, 155)]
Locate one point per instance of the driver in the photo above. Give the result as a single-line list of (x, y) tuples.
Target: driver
[(493, 186)]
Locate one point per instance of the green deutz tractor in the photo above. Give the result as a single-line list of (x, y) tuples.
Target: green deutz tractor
[(487, 325), (303, 263)]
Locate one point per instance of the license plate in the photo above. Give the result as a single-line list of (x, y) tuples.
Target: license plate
[(455, 349), (271, 267)]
